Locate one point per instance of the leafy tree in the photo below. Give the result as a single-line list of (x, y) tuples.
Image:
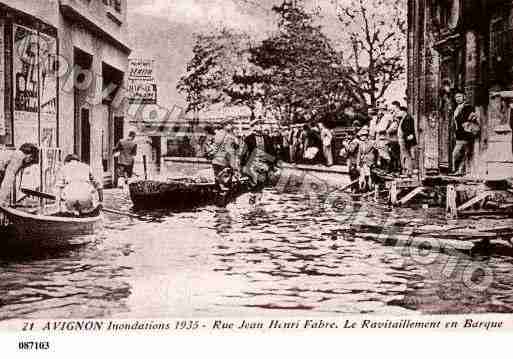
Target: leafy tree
[(301, 67), (374, 41), (217, 57)]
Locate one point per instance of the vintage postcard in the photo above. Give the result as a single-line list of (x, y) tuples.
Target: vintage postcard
[(208, 167)]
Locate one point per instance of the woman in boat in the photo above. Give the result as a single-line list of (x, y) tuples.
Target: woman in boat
[(11, 163), (258, 159), (77, 186)]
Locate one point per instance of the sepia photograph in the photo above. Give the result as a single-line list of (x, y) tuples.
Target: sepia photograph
[(187, 166)]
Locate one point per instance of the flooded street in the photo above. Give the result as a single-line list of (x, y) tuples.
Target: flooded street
[(282, 258)]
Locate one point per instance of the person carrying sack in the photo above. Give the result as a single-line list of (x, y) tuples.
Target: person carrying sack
[(466, 129)]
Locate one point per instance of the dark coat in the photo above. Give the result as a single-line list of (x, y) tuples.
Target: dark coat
[(408, 128), (250, 146), (460, 119)]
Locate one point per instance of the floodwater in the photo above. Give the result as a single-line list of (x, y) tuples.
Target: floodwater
[(284, 257)]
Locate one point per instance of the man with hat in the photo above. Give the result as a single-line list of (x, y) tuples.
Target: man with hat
[(350, 152), (367, 153), (258, 158), (225, 155)]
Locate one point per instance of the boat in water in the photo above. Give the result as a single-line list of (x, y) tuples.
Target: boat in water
[(30, 227), (178, 193)]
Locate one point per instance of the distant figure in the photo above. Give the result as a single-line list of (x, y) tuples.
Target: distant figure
[(349, 151), (11, 163), (127, 150), (407, 142), (367, 153), (327, 139), (77, 186)]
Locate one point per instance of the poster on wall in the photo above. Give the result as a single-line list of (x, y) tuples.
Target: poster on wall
[(48, 89), (3, 122), (25, 87)]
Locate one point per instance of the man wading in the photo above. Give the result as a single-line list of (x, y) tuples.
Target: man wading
[(258, 159), (126, 150), (224, 156)]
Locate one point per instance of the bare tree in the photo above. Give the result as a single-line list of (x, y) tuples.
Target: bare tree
[(374, 45)]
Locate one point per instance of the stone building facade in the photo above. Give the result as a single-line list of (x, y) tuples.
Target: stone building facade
[(464, 44), (62, 68)]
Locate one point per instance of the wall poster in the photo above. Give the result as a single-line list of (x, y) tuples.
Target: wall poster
[(35, 87), (3, 123)]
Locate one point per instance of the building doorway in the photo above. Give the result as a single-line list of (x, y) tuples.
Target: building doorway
[(156, 149), (85, 136), (82, 134)]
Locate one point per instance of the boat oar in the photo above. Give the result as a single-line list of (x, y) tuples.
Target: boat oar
[(30, 192)]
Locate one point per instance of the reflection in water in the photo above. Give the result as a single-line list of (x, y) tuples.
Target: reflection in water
[(282, 257)]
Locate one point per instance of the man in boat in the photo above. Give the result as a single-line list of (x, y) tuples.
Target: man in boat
[(225, 156), (11, 163), (77, 187), (258, 159), (126, 150)]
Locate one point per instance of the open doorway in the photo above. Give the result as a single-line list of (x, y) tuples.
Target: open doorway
[(156, 148), (82, 134), (85, 138)]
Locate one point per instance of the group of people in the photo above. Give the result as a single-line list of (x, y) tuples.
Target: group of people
[(388, 143), (78, 192), (254, 157), (308, 144)]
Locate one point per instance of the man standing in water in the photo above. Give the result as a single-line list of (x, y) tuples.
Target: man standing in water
[(11, 163), (127, 150), (258, 159), (224, 155)]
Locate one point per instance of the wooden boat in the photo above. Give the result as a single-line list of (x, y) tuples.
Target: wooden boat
[(181, 193), (29, 226)]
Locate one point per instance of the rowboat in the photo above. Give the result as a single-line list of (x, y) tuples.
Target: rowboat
[(35, 227), (181, 193)]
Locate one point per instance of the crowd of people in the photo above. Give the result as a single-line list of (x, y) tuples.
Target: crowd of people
[(308, 144), (388, 143)]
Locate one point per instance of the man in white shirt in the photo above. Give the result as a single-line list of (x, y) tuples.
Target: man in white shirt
[(77, 186)]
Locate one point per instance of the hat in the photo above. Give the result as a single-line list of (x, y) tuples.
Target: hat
[(363, 131), (373, 111), (227, 121), (256, 121)]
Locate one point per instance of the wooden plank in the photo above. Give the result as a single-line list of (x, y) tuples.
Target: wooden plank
[(475, 200), (411, 195), (393, 193), (451, 208)]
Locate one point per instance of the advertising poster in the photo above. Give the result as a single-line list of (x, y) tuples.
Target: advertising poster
[(142, 87), (3, 124), (25, 87), (48, 89)]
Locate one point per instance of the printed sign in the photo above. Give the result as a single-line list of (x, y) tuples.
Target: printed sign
[(141, 84), (140, 68)]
